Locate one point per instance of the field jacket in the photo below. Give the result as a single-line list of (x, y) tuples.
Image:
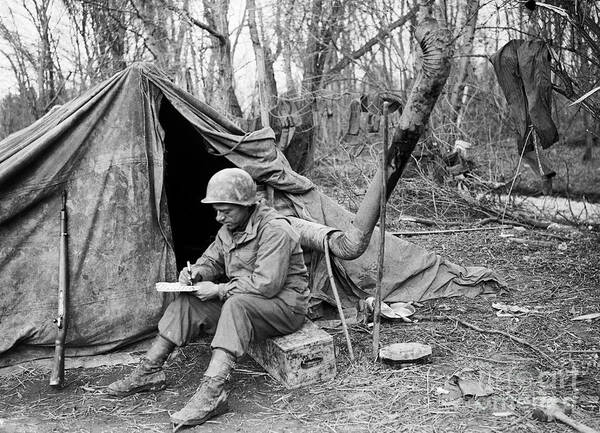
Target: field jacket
[(264, 259)]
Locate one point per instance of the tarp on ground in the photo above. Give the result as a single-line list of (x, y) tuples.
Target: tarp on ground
[(134, 155)]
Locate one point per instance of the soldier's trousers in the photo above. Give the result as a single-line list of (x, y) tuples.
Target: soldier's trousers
[(235, 323)]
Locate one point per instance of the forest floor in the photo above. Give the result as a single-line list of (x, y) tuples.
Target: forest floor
[(534, 355)]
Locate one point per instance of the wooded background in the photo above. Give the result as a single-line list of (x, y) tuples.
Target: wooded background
[(300, 64)]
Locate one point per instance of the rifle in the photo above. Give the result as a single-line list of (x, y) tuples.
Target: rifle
[(58, 366)]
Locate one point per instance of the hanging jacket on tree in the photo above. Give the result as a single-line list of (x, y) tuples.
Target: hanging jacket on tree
[(523, 72)]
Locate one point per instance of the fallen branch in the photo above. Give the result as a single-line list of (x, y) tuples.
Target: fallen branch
[(531, 242), (526, 219), (436, 232), (417, 220), (506, 334), (521, 224), (427, 317), (494, 220)]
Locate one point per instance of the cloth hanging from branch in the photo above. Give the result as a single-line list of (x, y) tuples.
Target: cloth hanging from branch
[(523, 72)]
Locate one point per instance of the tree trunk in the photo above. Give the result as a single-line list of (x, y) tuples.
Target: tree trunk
[(265, 96), (102, 27), (469, 23), (154, 19), (47, 73), (437, 51), (300, 152), (270, 59), (215, 12), (324, 27), (179, 65), (283, 36)]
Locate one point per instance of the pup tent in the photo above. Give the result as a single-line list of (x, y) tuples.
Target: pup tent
[(134, 155)]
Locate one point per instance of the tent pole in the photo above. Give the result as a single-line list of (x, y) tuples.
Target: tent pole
[(337, 297), (381, 255)]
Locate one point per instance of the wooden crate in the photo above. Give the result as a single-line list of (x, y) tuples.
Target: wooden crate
[(304, 357)]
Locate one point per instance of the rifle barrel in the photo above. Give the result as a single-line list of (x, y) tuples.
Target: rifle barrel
[(58, 366)]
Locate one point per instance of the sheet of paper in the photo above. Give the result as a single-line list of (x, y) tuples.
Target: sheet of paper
[(174, 287)]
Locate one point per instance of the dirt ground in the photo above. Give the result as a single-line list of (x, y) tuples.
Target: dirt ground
[(521, 359), (561, 277)]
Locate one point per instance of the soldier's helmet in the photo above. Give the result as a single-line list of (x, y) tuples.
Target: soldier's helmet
[(232, 186)]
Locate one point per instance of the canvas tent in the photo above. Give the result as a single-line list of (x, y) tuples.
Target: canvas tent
[(134, 154)]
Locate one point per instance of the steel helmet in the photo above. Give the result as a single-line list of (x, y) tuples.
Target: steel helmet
[(231, 185)]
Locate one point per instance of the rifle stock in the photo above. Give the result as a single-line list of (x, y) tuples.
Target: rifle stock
[(58, 366)]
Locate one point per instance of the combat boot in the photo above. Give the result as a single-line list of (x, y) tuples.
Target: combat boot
[(148, 375), (210, 399)]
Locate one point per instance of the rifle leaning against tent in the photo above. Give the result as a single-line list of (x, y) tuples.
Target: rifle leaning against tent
[(58, 365)]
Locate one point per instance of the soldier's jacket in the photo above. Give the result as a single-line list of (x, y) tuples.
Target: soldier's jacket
[(265, 259)]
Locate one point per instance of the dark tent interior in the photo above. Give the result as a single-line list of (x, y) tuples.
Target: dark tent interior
[(188, 168)]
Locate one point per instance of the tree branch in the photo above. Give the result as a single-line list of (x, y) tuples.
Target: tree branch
[(381, 35), (197, 23)]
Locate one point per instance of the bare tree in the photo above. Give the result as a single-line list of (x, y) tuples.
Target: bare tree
[(221, 63), (458, 94), (39, 11), (35, 66), (101, 29), (266, 97), (572, 29)]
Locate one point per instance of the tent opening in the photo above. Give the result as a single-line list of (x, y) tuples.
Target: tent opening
[(188, 168)]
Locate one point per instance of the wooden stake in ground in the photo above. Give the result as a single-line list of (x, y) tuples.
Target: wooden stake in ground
[(381, 256), (336, 295)]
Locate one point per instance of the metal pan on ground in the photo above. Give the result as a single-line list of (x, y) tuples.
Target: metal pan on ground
[(394, 311), (402, 310), (405, 354)]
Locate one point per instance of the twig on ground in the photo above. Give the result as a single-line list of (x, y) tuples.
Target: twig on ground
[(436, 232)]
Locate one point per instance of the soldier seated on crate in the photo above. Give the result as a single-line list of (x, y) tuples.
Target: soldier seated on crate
[(266, 295)]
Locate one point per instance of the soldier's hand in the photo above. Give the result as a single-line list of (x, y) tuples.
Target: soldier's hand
[(206, 290), (185, 278)]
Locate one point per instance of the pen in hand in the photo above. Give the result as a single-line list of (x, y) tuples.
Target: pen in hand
[(189, 269)]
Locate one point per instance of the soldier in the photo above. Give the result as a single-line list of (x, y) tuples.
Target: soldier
[(266, 293)]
